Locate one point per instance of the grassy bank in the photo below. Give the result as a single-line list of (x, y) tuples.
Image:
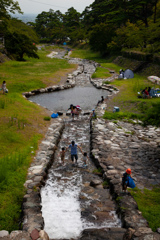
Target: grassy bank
[(22, 126), (149, 204), (132, 107)]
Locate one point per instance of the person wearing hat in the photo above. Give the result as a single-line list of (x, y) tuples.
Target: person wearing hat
[(125, 179)]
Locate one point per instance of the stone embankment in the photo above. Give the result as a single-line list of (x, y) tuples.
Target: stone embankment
[(33, 221), (70, 83), (118, 145)]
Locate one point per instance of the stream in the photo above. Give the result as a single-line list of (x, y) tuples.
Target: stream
[(83, 94), (69, 204), (73, 198)]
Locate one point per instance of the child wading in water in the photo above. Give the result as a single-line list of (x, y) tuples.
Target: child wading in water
[(62, 155), (85, 157)]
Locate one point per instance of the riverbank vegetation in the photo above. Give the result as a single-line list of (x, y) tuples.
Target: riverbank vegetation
[(148, 203), (22, 125)]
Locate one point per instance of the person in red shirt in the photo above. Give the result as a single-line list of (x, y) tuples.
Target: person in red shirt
[(146, 93)]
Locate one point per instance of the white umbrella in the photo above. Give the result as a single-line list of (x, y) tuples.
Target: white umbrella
[(154, 79)]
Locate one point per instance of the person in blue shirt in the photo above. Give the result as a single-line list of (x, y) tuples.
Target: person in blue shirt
[(93, 114), (73, 146)]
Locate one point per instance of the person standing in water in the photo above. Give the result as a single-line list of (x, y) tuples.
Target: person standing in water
[(74, 155)]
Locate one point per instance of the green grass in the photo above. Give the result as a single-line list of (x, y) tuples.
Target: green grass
[(149, 204), (101, 73), (87, 54), (111, 66), (84, 51), (13, 170), (132, 107), (47, 118), (97, 170), (31, 74), (22, 125)]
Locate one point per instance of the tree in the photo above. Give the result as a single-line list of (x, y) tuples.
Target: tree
[(19, 39), (8, 6), (100, 36), (15, 25), (19, 44), (129, 36), (48, 24), (72, 24)]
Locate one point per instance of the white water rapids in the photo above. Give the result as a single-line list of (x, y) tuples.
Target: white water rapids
[(61, 208)]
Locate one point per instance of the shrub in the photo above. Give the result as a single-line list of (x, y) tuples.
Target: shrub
[(47, 118)]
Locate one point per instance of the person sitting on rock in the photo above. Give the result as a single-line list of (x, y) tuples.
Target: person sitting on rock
[(127, 180), (146, 93), (100, 101), (125, 177)]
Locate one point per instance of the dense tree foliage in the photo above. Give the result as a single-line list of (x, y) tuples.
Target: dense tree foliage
[(18, 44), (109, 25), (55, 26), (20, 38), (8, 6), (49, 25)]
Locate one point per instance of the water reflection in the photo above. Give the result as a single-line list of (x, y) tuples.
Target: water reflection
[(87, 97)]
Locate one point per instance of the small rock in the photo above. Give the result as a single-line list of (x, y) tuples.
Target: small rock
[(110, 167), (35, 234), (43, 235), (142, 230), (4, 233), (158, 230), (14, 234), (112, 172), (93, 183), (128, 234)]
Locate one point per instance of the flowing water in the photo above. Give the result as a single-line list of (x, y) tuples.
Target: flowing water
[(70, 204)]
